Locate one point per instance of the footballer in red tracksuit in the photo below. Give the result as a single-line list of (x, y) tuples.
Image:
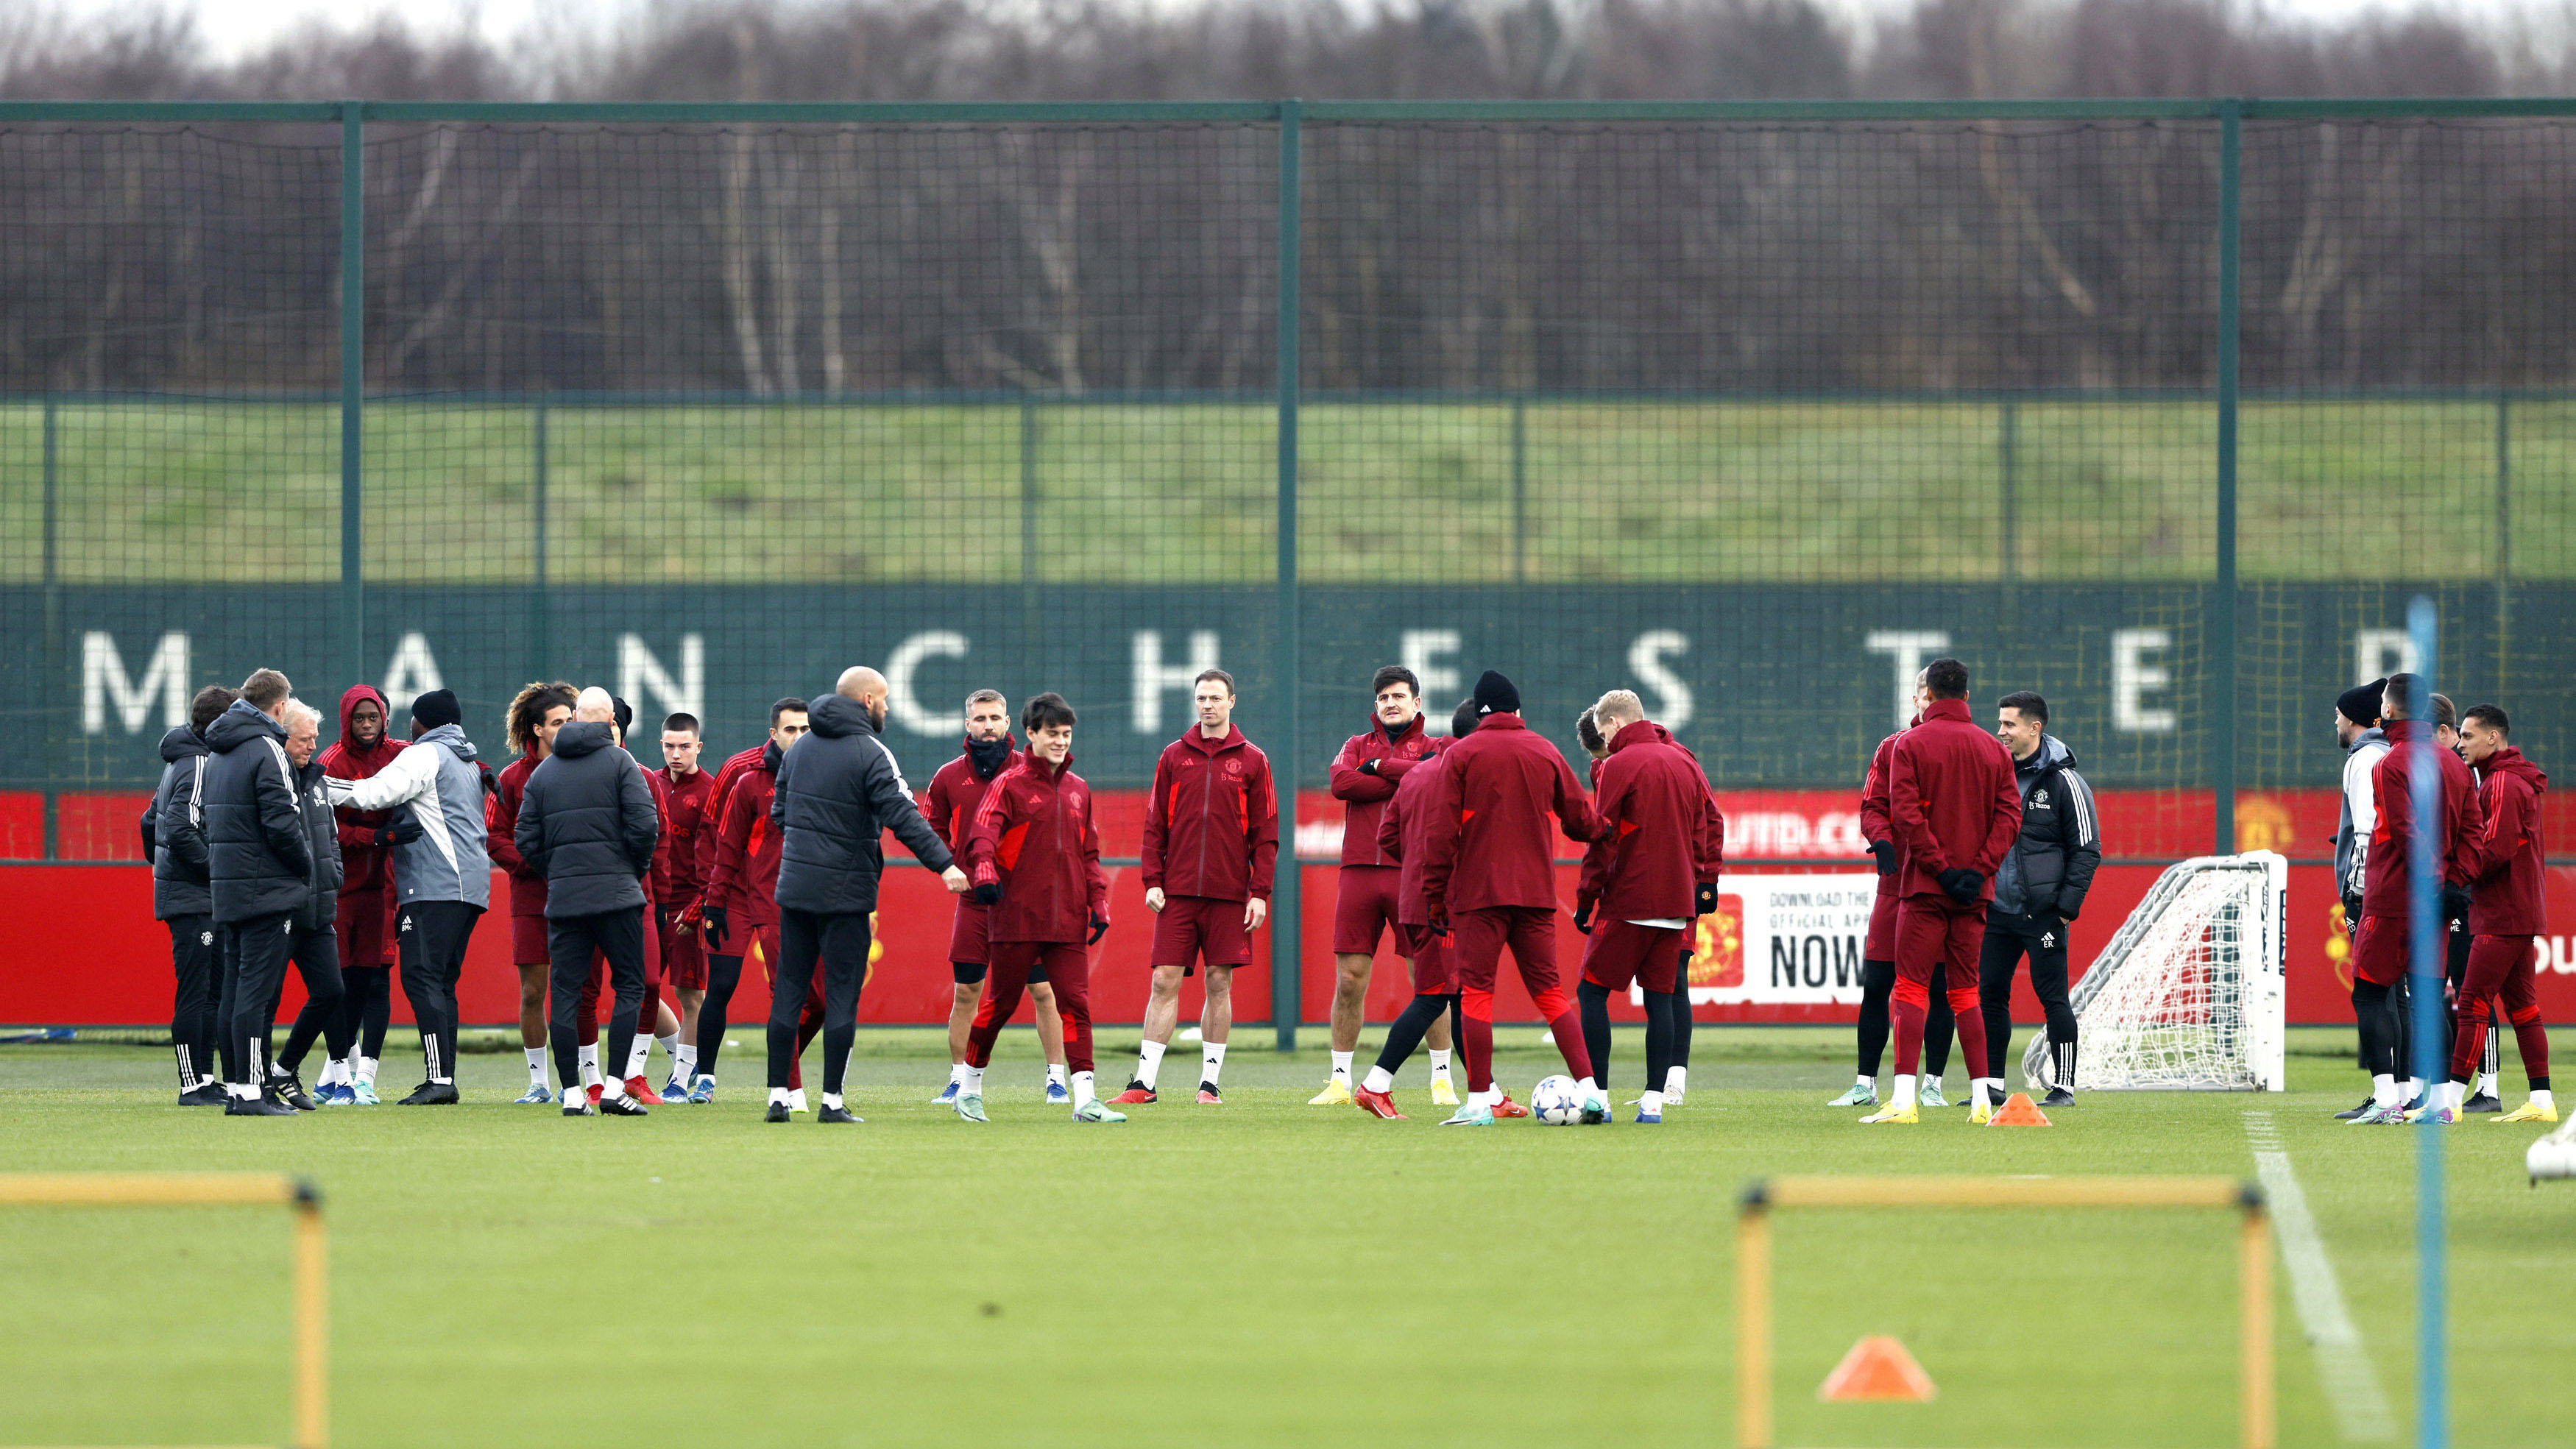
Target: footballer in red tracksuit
[(1211, 844), (1033, 855), (1878, 951), (742, 886), (1364, 777), (684, 956), (1489, 879), (366, 906), (2505, 866), (1402, 831), (1652, 871), (1954, 809), (955, 789)]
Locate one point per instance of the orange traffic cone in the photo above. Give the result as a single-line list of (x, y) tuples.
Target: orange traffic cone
[(1877, 1370), (2018, 1110)]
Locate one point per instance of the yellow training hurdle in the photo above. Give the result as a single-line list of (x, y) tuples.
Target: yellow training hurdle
[(223, 1189), (1753, 1263)]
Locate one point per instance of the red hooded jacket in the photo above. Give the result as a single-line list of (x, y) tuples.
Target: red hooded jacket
[(1365, 796), (2504, 863), (1212, 821), (2383, 876), (717, 799), (1951, 800), (1034, 837), (1404, 832), (500, 836), (364, 865), (687, 814), (955, 790), (1488, 844), (744, 879), (1661, 837)]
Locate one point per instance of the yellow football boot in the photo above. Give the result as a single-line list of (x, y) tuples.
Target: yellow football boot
[(1334, 1095)]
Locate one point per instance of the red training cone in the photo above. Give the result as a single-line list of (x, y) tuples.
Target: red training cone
[(1877, 1370), (2018, 1110)]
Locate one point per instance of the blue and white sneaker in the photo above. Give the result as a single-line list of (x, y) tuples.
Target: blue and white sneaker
[(702, 1093), (363, 1094), (1057, 1095), (538, 1094), (675, 1090), (947, 1095), (1649, 1118), (331, 1094), (1471, 1117)]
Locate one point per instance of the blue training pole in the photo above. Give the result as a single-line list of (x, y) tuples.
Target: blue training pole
[(2424, 918)]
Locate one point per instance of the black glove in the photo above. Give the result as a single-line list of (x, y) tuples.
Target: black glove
[(989, 895), (401, 832), (1099, 928), (2455, 902), (2351, 913), (1583, 918), (1368, 766), (716, 928), (1706, 901), (1963, 885), (491, 782), (1885, 850)]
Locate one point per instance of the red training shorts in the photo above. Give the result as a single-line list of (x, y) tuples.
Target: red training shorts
[(968, 943), (2380, 950), (365, 928), (1881, 945), (1430, 954), (528, 941), (1364, 908), (1618, 952), (1200, 928), (684, 956)]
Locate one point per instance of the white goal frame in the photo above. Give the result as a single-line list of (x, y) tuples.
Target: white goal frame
[(2235, 1039)]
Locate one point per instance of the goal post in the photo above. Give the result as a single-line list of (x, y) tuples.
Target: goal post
[(2256, 1413), (312, 1384), (2191, 994)]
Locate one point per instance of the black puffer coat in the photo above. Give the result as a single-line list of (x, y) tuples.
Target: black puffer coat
[(587, 822), (259, 859)]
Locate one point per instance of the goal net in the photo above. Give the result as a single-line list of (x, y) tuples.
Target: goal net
[(2189, 995)]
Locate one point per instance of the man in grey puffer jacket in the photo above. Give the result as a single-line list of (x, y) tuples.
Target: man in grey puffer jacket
[(442, 875), (587, 822)]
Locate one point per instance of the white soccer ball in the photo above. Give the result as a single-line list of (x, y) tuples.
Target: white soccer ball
[(2551, 1156), (1555, 1101)]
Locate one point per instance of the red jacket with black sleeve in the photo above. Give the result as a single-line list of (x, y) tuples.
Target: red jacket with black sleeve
[(1661, 837), (2383, 888), (364, 865), (500, 837), (1364, 788), (2504, 863), (686, 815), (1212, 821), (1488, 844), (745, 878), (717, 799), (1033, 836), (954, 792), (1951, 800), (1403, 833)]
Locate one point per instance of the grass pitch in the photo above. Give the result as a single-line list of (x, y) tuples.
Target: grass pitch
[(1260, 1273)]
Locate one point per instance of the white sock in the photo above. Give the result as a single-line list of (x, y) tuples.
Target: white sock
[(778, 1096), (956, 1073), (2486, 1085), (334, 1072), (684, 1063), (1901, 1093), (241, 1093), (2540, 1099), (1674, 1078), (1055, 1072), (796, 1099), (1149, 1063), (1083, 1093), (1488, 1099), (588, 1057), (1439, 1066), (1931, 1081), (613, 1088), (1651, 1103), (832, 1100), (970, 1080), (1214, 1065), (639, 1055), (1379, 1080), (2454, 1093), (2412, 1085), (1866, 1083), (2383, 1090), (1342, 1067), (1588, 1088), (536, 1064), (367, 1071), (1989, 1090)]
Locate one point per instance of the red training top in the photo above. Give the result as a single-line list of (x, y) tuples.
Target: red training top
[(1876, 824), (949, 803), (1212, 821), (2504, 863), (1365, 796), (2383, 876), (1661, 838), (364, 865), (726, 773), (745, 877), (1951, 800), (687, 802), (1404, 831), (500, 835), (1488, 845), (1034, 837)]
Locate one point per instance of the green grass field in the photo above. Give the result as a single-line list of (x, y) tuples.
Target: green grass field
[(1615, 491), (1265, 1273)]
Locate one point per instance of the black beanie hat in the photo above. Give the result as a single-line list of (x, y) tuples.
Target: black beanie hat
[(1463, 723), (2360, 704), (1495, 695), (623, 713), (438, 707)]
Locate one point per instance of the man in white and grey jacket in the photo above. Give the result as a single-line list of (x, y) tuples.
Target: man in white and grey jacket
[(442, 875), (2357, 730)]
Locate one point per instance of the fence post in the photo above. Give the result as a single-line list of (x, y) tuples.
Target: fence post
[(2222, 622), (543, 611), (353, 383), (2008, 465), (1285, 998), (1520, 490), (2504, 542), (1029, 622), (57, 658)]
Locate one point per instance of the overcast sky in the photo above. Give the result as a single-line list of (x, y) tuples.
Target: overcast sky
[(237, 26)]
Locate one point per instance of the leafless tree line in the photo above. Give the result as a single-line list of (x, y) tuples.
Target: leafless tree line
[(1077, 259)]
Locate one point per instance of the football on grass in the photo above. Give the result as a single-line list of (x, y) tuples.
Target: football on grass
[(1555, 1102)]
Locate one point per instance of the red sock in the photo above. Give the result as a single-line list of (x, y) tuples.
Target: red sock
[(1476, 1038), (1972, 1029), (2533, 1037), (1909, 1003)]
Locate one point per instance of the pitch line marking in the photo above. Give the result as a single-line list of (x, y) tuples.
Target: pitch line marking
[(2343, 1362)]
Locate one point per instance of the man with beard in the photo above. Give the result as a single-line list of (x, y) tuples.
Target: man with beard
[(739, 903), (364, 916), (535, 714), (949, 805)]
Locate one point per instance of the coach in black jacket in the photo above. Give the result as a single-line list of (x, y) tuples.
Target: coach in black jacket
[(174, 840), (2039, 887), (258, 864), (836, 791), (313, 944), (587, 823)]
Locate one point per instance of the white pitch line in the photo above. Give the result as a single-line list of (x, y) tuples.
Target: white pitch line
[(2343, 1363)]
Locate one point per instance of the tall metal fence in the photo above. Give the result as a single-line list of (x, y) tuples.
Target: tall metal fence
[(2159, 408)]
